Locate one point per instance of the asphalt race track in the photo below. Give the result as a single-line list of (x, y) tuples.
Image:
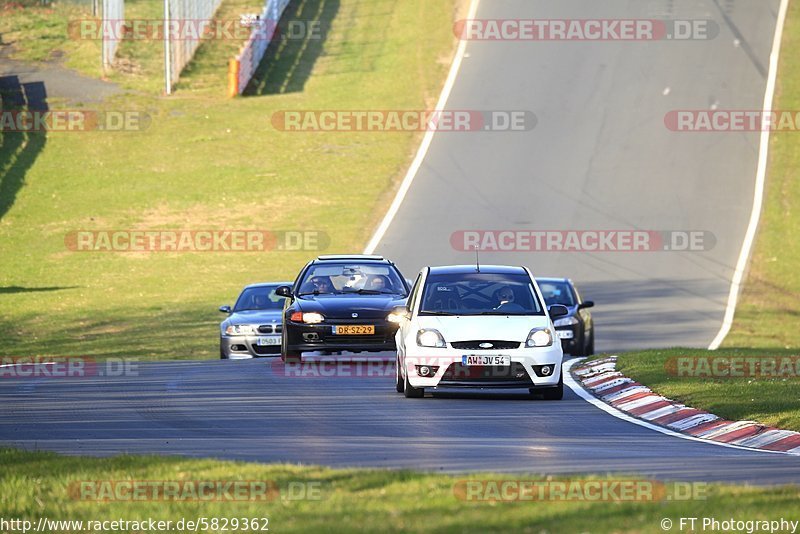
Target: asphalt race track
[(599, 157), (250, 410)]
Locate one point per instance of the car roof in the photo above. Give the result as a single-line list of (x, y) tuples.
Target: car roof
[(267, 284), (351, 257), (490, 269)]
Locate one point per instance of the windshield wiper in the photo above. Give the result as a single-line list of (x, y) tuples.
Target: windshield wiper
[(500, 313), (426, 312), (365, 291)]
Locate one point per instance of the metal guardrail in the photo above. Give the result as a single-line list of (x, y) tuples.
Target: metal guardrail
[(181, 51), (243, 66), (113, 11)]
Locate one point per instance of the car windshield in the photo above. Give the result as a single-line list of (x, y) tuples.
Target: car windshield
[(259, 298), (356, 278), (479, 294), (557, 293)]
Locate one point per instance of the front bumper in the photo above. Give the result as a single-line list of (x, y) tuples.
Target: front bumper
[(241, 347), (451, 373), (570, 337), (302, 337)]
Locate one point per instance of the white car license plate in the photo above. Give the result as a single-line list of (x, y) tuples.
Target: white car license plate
[(476, 359), (565, 334), (268, 341)]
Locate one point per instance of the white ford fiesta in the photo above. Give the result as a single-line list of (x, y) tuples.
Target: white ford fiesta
[(478, 326)]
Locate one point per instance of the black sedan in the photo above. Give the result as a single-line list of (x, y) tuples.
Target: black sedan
[(341, 303), (575, 329)]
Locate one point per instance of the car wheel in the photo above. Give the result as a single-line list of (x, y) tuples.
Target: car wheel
[(399, 385), (410, 391), (580, 348), (291, 357), (288, 356), (556, 393), (222, 355), (590, 345)]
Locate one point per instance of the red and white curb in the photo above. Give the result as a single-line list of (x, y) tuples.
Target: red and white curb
[(600, 383)]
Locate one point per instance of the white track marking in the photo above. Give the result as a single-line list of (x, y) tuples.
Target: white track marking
[(426, 141), (758, 197), (591, 399)]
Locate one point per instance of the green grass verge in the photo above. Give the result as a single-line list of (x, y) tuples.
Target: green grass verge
[(205, 162), (772, 401), (768, 311), (39, 484)]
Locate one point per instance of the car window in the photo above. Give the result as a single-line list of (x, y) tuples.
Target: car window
[(330, 278), (479, 294), (557, 293), (259, 298)]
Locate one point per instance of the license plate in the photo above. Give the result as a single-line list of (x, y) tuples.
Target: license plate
[(353, 329), (268, 341), (565, 334), (475, 359)]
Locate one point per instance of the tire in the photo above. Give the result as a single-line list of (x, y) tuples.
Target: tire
[(289, 356), (410, 391), (556, 393), (222, 355), (580, 349), (399, 385), (590, 345)]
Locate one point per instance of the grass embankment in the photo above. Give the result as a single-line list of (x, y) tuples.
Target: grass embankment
[(772, 398), (357, 500), (205, 162)]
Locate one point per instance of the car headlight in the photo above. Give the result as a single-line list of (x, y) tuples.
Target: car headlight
[(565, 321), (430, 338), (539, 337), (313, 318), (240, 330)]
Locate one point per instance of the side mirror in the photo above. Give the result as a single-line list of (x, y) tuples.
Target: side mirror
[(558, 310), (586, 304), (284, 291), (398, 314), (225, 309)]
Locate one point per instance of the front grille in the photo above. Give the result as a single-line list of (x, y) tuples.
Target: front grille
[(268, 349), (487, 374), (496, 345), (353, 340), (269, 329)]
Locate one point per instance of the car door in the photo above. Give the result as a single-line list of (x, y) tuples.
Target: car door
[(406, 326)]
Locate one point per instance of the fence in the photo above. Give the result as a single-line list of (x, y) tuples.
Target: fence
[(242, 68), (113, 11), (181, 51)]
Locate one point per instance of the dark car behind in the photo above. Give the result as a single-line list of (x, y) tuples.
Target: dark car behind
[(576, 329), (336, 305)]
